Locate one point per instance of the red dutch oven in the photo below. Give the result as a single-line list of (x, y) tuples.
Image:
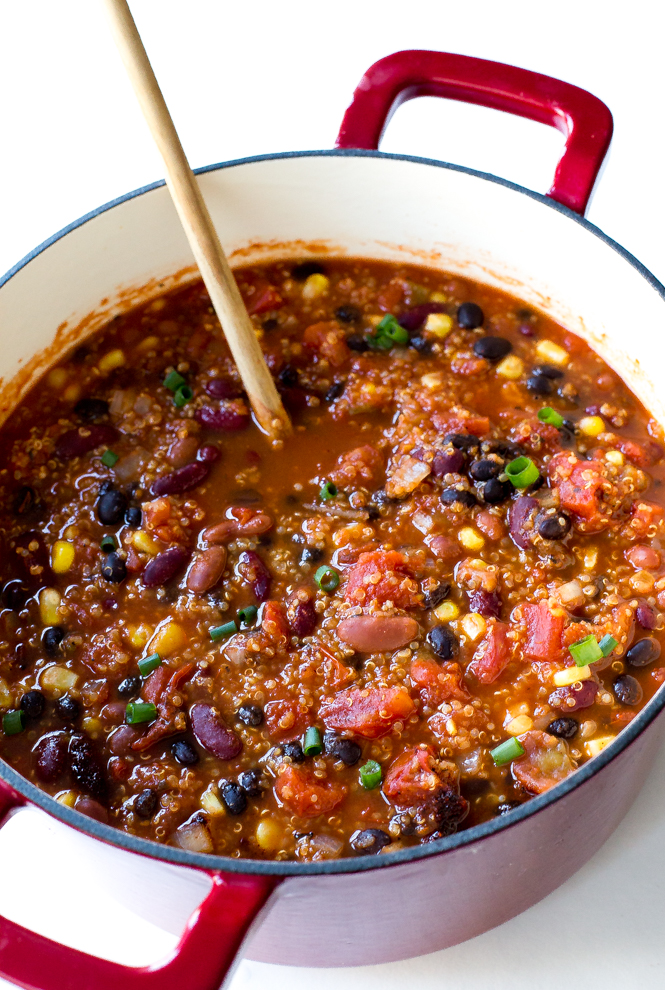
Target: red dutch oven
[(357, 201)]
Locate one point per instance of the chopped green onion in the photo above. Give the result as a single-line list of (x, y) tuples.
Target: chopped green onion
[(13, 722), (370, 775), (328, 490), (107, 543), (148, 664), (223, 632), (174, 381), (312, 744), (607, 644), (586, 651), (507, 751), (326, 578), (522, 472), (109, 458), (379, 342), (138, 712), (182, 396), (551, 417), (247, 614), (389, 332)]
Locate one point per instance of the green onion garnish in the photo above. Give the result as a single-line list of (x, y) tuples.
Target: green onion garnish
[(174, 381), (551, 417), (107, 543), (138, 712), (507, 751), (326, 578), (247, 614), (586, 651), (148, 664), (370, 775), (109, 458), (312, 744), (328, 490), (182, 396), (389, 332), (13, 722), (223, 632), (607, 644), (522, 472)]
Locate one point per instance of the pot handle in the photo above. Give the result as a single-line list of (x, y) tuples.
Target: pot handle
[(200, 961), (582, 117)]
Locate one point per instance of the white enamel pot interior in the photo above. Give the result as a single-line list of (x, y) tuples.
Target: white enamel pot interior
[(362, 204)]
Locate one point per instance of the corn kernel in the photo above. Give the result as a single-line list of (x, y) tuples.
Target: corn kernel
[(432, 380), (56, 680), (511, 367), (269, 835), (570, 675), (316, 285), (49, 600), (615, 457), (548, 351), (68, 798), (446, 611), (470, 538), (57, 378), (595, 746), (72, 393), (438, 297), (6, 696), (150, 343), (156, 305), (439, 325), (590, 559), (518, 725), (62, 556), (168, 639), (591, 426), (474, 625), (144, 543), (91, 726), (210, 801), (642, 582), (139, 635), (111, 360)]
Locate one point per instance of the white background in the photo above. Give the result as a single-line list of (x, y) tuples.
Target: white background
[(252, 77)]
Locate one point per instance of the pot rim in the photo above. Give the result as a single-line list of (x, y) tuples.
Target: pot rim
[(286, 868)]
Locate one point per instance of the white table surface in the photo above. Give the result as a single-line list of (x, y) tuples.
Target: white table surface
[(252, 77)]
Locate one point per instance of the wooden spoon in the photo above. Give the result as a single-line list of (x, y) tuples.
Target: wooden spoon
[(198, 227)]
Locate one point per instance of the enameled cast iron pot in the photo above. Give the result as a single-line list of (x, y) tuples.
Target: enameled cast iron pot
[(355, 201)]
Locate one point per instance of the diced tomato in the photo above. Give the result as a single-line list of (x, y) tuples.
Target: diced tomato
[(264, 298), (360, 466), (382, 576), (536, 436), (580, 485), (274, 622), (468, 365), (161, 687), (544, 624), (645, 520), (545, 762), (304, 795), (329, 340), (337, 675), (644, 455), (391, 297), (460, 420), (411, 779), (438, 682), (198, 344), (156, 513), (493, 653), (285, 719), (369, 712)]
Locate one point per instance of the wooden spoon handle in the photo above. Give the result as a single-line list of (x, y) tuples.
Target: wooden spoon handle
[(198, 227)]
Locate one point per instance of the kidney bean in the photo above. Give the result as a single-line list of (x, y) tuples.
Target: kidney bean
[(164, 566), (490, 525), (181, 480), (182, 451), (208, 453), (645, 615), (212, 734), (34, 557), (569, 699), (51, 753), (229, 415), (118, 768), (521, 513), (85, 766), (223, 388), (76, 443), (93, 809), (120, 741), (206, 569), (486, 603), (240, 521), (301, 614), (377, 633), (641, 557), (450, 461), (114, 713), (255, 573), (414, 318)]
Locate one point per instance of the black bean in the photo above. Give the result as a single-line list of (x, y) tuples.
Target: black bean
[(91, 409), (369, 841), (335, 391), (346, 750), (463, 441), (145, 803), (304, 269), (52, 637), (552, 524), (492, 348), (347, 313), (289, 377), (15, 595), (33, 703), (506, 808), (421, 344), (470, 316), (251, 782), (563, 728), (183, 752), (311, 555), (539, 385), (67, 708), (233, 796), (250, 714), (644, 652), (86, 768), (134, 516), (356, 342), (627, 690), (458, 496), (485, 469), (25, 500), (548, 370), (111, 507), (270, 324), (504, 448), (130, 687), (496, 491), (114, 568), (294, 751), (434, 597), (443, 642)]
